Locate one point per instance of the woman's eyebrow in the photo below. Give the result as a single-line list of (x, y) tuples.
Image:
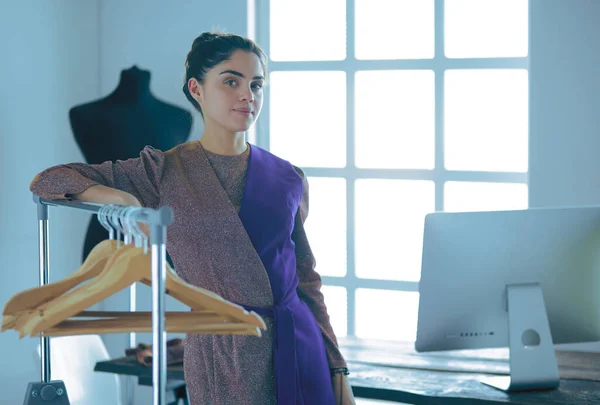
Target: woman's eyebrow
[(236, 73)]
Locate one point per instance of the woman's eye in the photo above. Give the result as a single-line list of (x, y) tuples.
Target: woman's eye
[(230, 82), (257, 85)]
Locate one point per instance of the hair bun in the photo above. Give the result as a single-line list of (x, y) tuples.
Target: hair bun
[(204, 38)]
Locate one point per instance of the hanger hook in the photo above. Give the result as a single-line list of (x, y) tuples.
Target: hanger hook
[(131, 231), (120, 219), (108, 210), (127, 228), (115, 212), (140, 238), (102, 218)]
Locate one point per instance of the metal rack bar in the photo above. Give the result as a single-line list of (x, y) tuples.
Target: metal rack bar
[(162, 216), (158, 220), (44, 260)]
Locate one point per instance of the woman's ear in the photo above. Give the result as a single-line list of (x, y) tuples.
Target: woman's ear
[(196, 90)]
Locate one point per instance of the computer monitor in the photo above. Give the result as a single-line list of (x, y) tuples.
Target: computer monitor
[(522, 279)]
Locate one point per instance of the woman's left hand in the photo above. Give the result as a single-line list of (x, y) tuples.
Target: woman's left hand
[(342, 390)]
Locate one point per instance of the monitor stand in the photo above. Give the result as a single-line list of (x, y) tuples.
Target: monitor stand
[(532, 358)]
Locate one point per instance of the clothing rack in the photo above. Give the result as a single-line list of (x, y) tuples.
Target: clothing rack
[(158, 220)]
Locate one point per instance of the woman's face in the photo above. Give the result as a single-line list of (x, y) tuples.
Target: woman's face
[(232, 92)]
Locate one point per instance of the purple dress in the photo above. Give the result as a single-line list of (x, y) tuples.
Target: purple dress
[(268, 210), (258, 258)]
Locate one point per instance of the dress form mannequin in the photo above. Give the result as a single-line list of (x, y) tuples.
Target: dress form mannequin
[(121, 124)]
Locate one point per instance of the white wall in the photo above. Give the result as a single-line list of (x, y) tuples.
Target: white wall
[(565, 102), (48, 53)]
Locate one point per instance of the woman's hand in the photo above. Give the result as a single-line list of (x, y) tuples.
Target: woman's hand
[(107, 195), (342, 390)]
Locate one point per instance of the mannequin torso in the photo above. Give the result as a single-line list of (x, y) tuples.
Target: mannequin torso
[(121, 124)]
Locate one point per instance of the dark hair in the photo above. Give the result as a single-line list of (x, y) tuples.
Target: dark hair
[(210, 49)]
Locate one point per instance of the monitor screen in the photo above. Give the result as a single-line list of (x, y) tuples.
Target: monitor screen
[(470, 258)]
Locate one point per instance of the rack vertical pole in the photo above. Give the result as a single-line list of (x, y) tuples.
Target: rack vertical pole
[(158, 221), (131, 339), (44, 261), (158, 237)]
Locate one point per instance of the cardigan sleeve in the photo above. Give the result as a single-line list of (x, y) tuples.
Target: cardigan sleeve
[(309, 287), (137, 176)]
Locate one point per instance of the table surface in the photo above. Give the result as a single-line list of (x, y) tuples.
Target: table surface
[(394, 372)]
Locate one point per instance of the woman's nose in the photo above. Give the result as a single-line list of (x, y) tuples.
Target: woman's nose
[(247, 95)]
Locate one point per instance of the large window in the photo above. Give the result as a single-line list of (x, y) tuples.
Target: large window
[(394, 109)]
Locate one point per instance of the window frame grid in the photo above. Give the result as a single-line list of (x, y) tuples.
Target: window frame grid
[(439, 175)]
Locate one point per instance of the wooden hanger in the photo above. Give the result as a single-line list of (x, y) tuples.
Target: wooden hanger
[(175, 322), (27, 303), (30, 299), (210, 312), (21, 305)]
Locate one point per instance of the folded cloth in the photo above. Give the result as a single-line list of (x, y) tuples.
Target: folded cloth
[(143, 352)]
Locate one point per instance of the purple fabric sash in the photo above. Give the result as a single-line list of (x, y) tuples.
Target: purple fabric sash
[(271, 198)]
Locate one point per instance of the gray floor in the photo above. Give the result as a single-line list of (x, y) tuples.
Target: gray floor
[(361, 401)]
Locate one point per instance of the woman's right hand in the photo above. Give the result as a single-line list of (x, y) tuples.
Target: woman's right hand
[(106, 195)]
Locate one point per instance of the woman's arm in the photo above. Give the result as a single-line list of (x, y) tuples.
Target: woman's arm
[(309, 287), (309, 291), (127, 182)]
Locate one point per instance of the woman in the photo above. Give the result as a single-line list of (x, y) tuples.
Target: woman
[(238, 231)]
